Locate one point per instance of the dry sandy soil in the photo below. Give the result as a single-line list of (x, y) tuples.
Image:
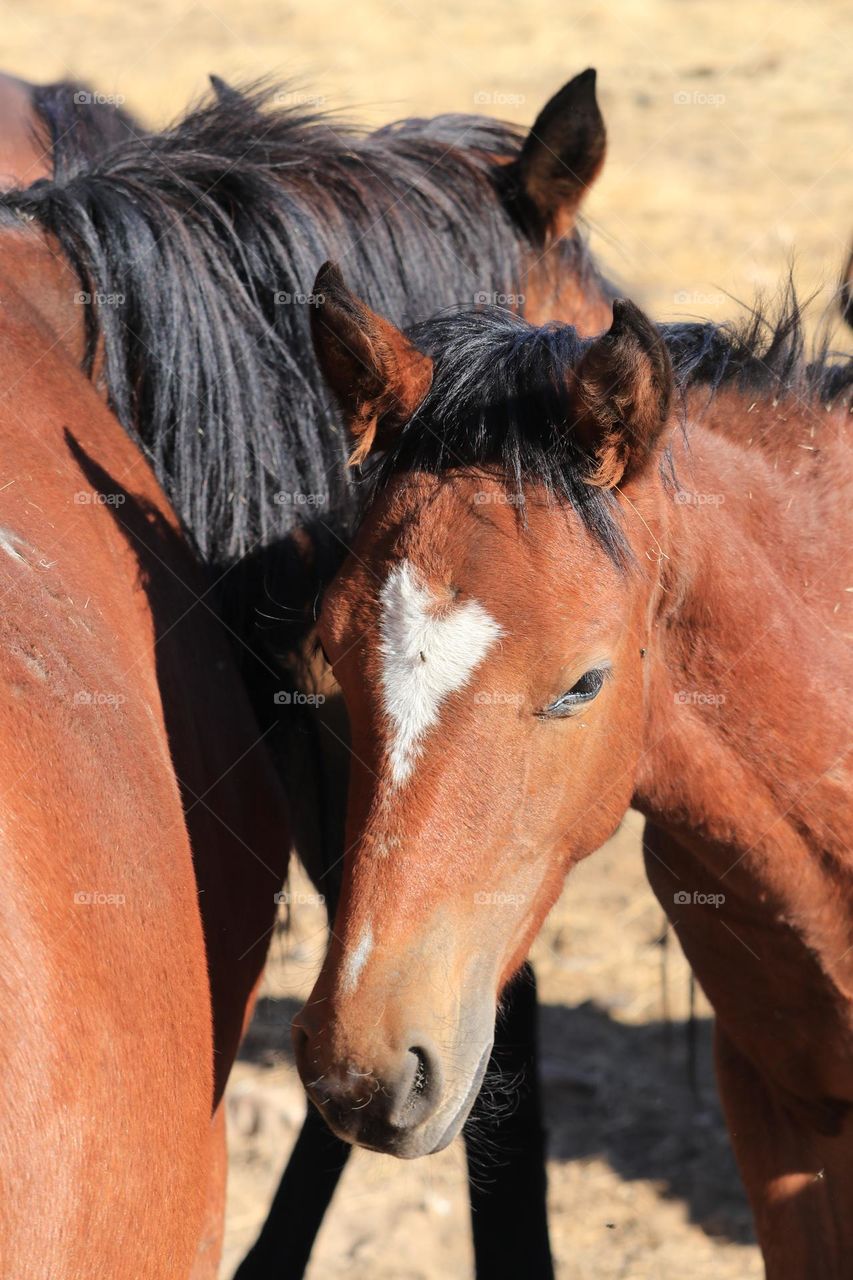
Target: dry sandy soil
[(730, 153)]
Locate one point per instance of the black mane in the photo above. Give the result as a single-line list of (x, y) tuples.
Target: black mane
[(499, 402), (766, 353), (500, 398), (201, 244)]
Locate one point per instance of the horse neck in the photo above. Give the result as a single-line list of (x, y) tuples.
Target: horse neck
[(32, 264), (747, 733)]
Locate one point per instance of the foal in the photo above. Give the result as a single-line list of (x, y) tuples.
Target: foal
[(561, 603)]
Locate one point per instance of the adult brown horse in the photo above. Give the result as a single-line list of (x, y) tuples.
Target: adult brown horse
[(144, 835), (90, 947), (227, 215), (35, 117), (575, 591)]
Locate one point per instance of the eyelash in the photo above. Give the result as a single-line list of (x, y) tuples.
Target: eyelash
[(576, 697)]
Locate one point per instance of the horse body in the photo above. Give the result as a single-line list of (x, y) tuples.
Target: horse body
[(136, 802), (663, 625), (748, 793)]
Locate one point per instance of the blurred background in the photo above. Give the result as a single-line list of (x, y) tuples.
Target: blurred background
[(729, 161)]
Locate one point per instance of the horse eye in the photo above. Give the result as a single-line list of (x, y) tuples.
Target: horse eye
[(587, 688)]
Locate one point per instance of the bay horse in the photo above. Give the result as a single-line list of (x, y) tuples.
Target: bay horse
[(34, 118), (197, 248), (198, 778), (595, 572), (144, 837)]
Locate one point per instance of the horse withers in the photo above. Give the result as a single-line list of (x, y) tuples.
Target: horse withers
[(594, 573)]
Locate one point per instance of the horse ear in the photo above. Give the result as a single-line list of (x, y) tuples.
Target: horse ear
[(223, 91), (624, 385), (562, 156), (377, 376)]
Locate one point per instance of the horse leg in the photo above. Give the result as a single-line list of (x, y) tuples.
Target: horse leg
[(206, 1266), (799, 1181), (282, 1250), (509, 1198)]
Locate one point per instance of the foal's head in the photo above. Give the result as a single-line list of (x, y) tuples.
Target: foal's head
[(488, 632)]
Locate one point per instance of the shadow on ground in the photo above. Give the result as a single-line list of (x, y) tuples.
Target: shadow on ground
[(615, 1091)]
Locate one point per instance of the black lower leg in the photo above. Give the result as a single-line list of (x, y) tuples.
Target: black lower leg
[(508, 1183), (308, 1183)]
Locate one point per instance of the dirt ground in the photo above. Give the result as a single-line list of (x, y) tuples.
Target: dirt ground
[(729, 159)]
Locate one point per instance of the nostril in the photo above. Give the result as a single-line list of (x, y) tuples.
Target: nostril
[(421, 1087), (420, 1083)]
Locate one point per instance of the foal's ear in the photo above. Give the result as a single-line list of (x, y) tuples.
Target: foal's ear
[(624, 385), (562, 155), (377, 376)]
